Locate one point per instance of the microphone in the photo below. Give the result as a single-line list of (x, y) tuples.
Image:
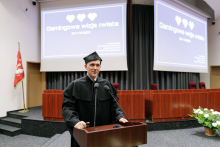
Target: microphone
[(96, 85), (108, 89)]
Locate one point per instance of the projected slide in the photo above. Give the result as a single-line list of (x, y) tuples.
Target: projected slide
[(180, 40), (78, 32), (68, 35)]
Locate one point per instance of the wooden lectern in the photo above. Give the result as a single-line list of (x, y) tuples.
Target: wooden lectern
[(107, 136)]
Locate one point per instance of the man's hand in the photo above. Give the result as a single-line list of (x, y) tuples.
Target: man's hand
[(80, 125), (122, 120)]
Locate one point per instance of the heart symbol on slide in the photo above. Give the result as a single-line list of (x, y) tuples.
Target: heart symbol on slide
[(70, 18), (191, 25), (185, 22), (178, 20), (92, 16), (81, 17)]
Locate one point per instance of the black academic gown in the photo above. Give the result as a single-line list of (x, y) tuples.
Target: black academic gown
[(78, 104)]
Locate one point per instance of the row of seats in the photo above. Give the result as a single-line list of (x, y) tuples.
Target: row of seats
[(192, 85), (116, 85)]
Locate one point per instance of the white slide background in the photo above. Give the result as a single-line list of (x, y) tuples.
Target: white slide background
[(68, 35), (180, 40)]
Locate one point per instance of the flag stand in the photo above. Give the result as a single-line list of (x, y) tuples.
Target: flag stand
[(15, 84), (25, 110)]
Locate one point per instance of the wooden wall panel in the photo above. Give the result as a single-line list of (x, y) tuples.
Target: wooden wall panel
[(47, 105), (157, 106), (130, 91), (133, 105), (53, 91), (132, 102), (211, 100), (195, 100), (58, 101), (203, 102), (148, 103), (177, 105), (52, 106), (217, 89), (216, 101), (164, 105), (186, 104)]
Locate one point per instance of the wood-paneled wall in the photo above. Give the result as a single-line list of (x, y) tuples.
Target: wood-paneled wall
[(170, 105), (157, 105), (132, 102), (52, 105)]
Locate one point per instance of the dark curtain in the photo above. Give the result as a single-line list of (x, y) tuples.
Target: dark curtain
[(141, 58), (143, 55)]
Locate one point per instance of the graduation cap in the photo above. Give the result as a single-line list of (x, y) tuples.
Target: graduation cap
[(92, 57)]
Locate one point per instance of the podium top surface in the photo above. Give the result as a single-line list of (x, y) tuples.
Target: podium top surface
[(110, 127)]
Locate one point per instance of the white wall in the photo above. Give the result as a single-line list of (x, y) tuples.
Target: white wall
[(16, 25), (69, 3), (74, 3), (213, 49)]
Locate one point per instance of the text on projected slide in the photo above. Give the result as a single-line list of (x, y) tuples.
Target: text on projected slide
[(77, 32), (181, 38)]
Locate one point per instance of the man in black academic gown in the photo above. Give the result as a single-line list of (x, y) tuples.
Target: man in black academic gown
[(79, 100)]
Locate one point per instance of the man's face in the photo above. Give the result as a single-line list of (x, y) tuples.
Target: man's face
[(93, 68)]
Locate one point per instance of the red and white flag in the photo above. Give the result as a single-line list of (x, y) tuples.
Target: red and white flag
[(19, 73)]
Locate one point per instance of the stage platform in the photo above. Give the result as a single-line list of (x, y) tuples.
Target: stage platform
[(32, 123)]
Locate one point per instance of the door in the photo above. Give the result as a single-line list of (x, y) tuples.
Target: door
[(215, 77), (36, 83)]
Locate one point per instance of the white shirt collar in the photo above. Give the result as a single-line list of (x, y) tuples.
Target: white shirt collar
[(92, 79)]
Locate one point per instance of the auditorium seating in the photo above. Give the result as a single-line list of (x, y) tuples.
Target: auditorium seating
[(116, 85), (154, 87), (202, 85), (192, 85)]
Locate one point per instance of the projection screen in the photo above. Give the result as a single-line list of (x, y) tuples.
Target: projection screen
[(180, 39), (69, 34)]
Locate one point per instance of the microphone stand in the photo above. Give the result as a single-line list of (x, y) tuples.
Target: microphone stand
[(95, 107), (120, 107)]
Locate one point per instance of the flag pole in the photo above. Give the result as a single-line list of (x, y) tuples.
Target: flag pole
[(25, 110)]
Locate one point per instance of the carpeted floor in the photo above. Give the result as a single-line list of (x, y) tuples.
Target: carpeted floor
[(22, 141), (194, 137)]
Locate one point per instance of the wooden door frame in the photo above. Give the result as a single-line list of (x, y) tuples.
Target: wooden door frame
[(211, 74), (43, 76)]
